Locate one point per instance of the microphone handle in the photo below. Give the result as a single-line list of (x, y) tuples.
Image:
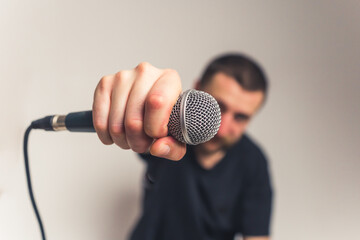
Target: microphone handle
[(79, 122), (73, 122)]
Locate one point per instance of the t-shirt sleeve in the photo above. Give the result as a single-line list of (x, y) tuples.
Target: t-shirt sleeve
[(254, 205)]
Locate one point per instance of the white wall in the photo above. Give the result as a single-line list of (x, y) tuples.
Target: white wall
[(52, 54)]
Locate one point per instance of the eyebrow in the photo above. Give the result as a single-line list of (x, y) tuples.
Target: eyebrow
[(242, 116), (237, 115)]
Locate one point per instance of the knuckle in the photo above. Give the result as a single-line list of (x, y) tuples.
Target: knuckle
[(134, 125), (106, 141), (99, 125), (156, 133), (157, 130), (122, 145), (149, 131), (121, 76), (173, 73), (143, 67), (156, 101), (104, 83), (136, 137), (162, 132), (121, 142), (116, 130)]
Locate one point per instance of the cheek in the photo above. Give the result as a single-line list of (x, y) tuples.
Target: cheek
[(239, 129)]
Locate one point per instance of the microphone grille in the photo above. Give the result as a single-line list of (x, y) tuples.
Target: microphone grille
[(195, 118)]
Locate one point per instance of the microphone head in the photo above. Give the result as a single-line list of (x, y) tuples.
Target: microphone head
[(195, 118)]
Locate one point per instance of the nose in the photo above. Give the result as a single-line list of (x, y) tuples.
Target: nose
[(225, 125)]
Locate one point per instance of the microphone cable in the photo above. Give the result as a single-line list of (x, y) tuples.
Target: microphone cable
[(28, 179)]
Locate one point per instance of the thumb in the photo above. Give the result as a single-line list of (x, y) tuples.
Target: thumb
[(168, 147)]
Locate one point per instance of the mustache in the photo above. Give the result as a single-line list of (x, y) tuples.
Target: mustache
[(221, 143)]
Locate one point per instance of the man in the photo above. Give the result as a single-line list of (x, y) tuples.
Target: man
[(220, 188)]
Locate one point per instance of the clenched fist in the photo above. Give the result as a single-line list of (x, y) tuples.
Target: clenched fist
[(132, 110)]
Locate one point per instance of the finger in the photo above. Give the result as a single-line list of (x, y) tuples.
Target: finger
[(121, 87), (145, 77), (101, 108), (168, 147), (159, 103)]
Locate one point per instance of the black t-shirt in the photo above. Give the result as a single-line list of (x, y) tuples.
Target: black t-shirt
[(183, 201)]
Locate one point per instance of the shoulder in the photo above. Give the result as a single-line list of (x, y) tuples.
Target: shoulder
[(252, 154), (250, 148)]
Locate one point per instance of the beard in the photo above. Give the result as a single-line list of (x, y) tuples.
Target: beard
[(216, 144)]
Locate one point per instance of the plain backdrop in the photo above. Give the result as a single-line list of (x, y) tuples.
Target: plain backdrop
[(53, 53)]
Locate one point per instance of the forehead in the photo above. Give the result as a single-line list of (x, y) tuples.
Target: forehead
[(229, 92)]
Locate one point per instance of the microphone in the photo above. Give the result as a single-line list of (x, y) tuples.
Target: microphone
[(194, 119)]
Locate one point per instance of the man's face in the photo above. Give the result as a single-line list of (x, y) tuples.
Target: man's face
[(237, 108)]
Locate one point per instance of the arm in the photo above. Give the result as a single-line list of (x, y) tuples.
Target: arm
[(254, 209), (131, 109)]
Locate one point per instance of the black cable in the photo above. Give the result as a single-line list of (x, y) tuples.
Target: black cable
[(27, 169)]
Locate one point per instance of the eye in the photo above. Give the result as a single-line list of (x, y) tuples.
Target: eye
[(241, 117)]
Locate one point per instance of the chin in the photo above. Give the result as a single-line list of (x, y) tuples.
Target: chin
[(211, 146)]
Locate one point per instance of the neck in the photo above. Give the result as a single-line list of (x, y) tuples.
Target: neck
[(208, 159)]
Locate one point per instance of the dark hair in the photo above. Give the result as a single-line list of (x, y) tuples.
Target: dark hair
[(245, 70)]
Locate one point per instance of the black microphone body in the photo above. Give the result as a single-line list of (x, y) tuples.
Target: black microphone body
[(79, 122), (73, 122)]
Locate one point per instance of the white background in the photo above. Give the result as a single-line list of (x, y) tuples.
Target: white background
[(52, 54)]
